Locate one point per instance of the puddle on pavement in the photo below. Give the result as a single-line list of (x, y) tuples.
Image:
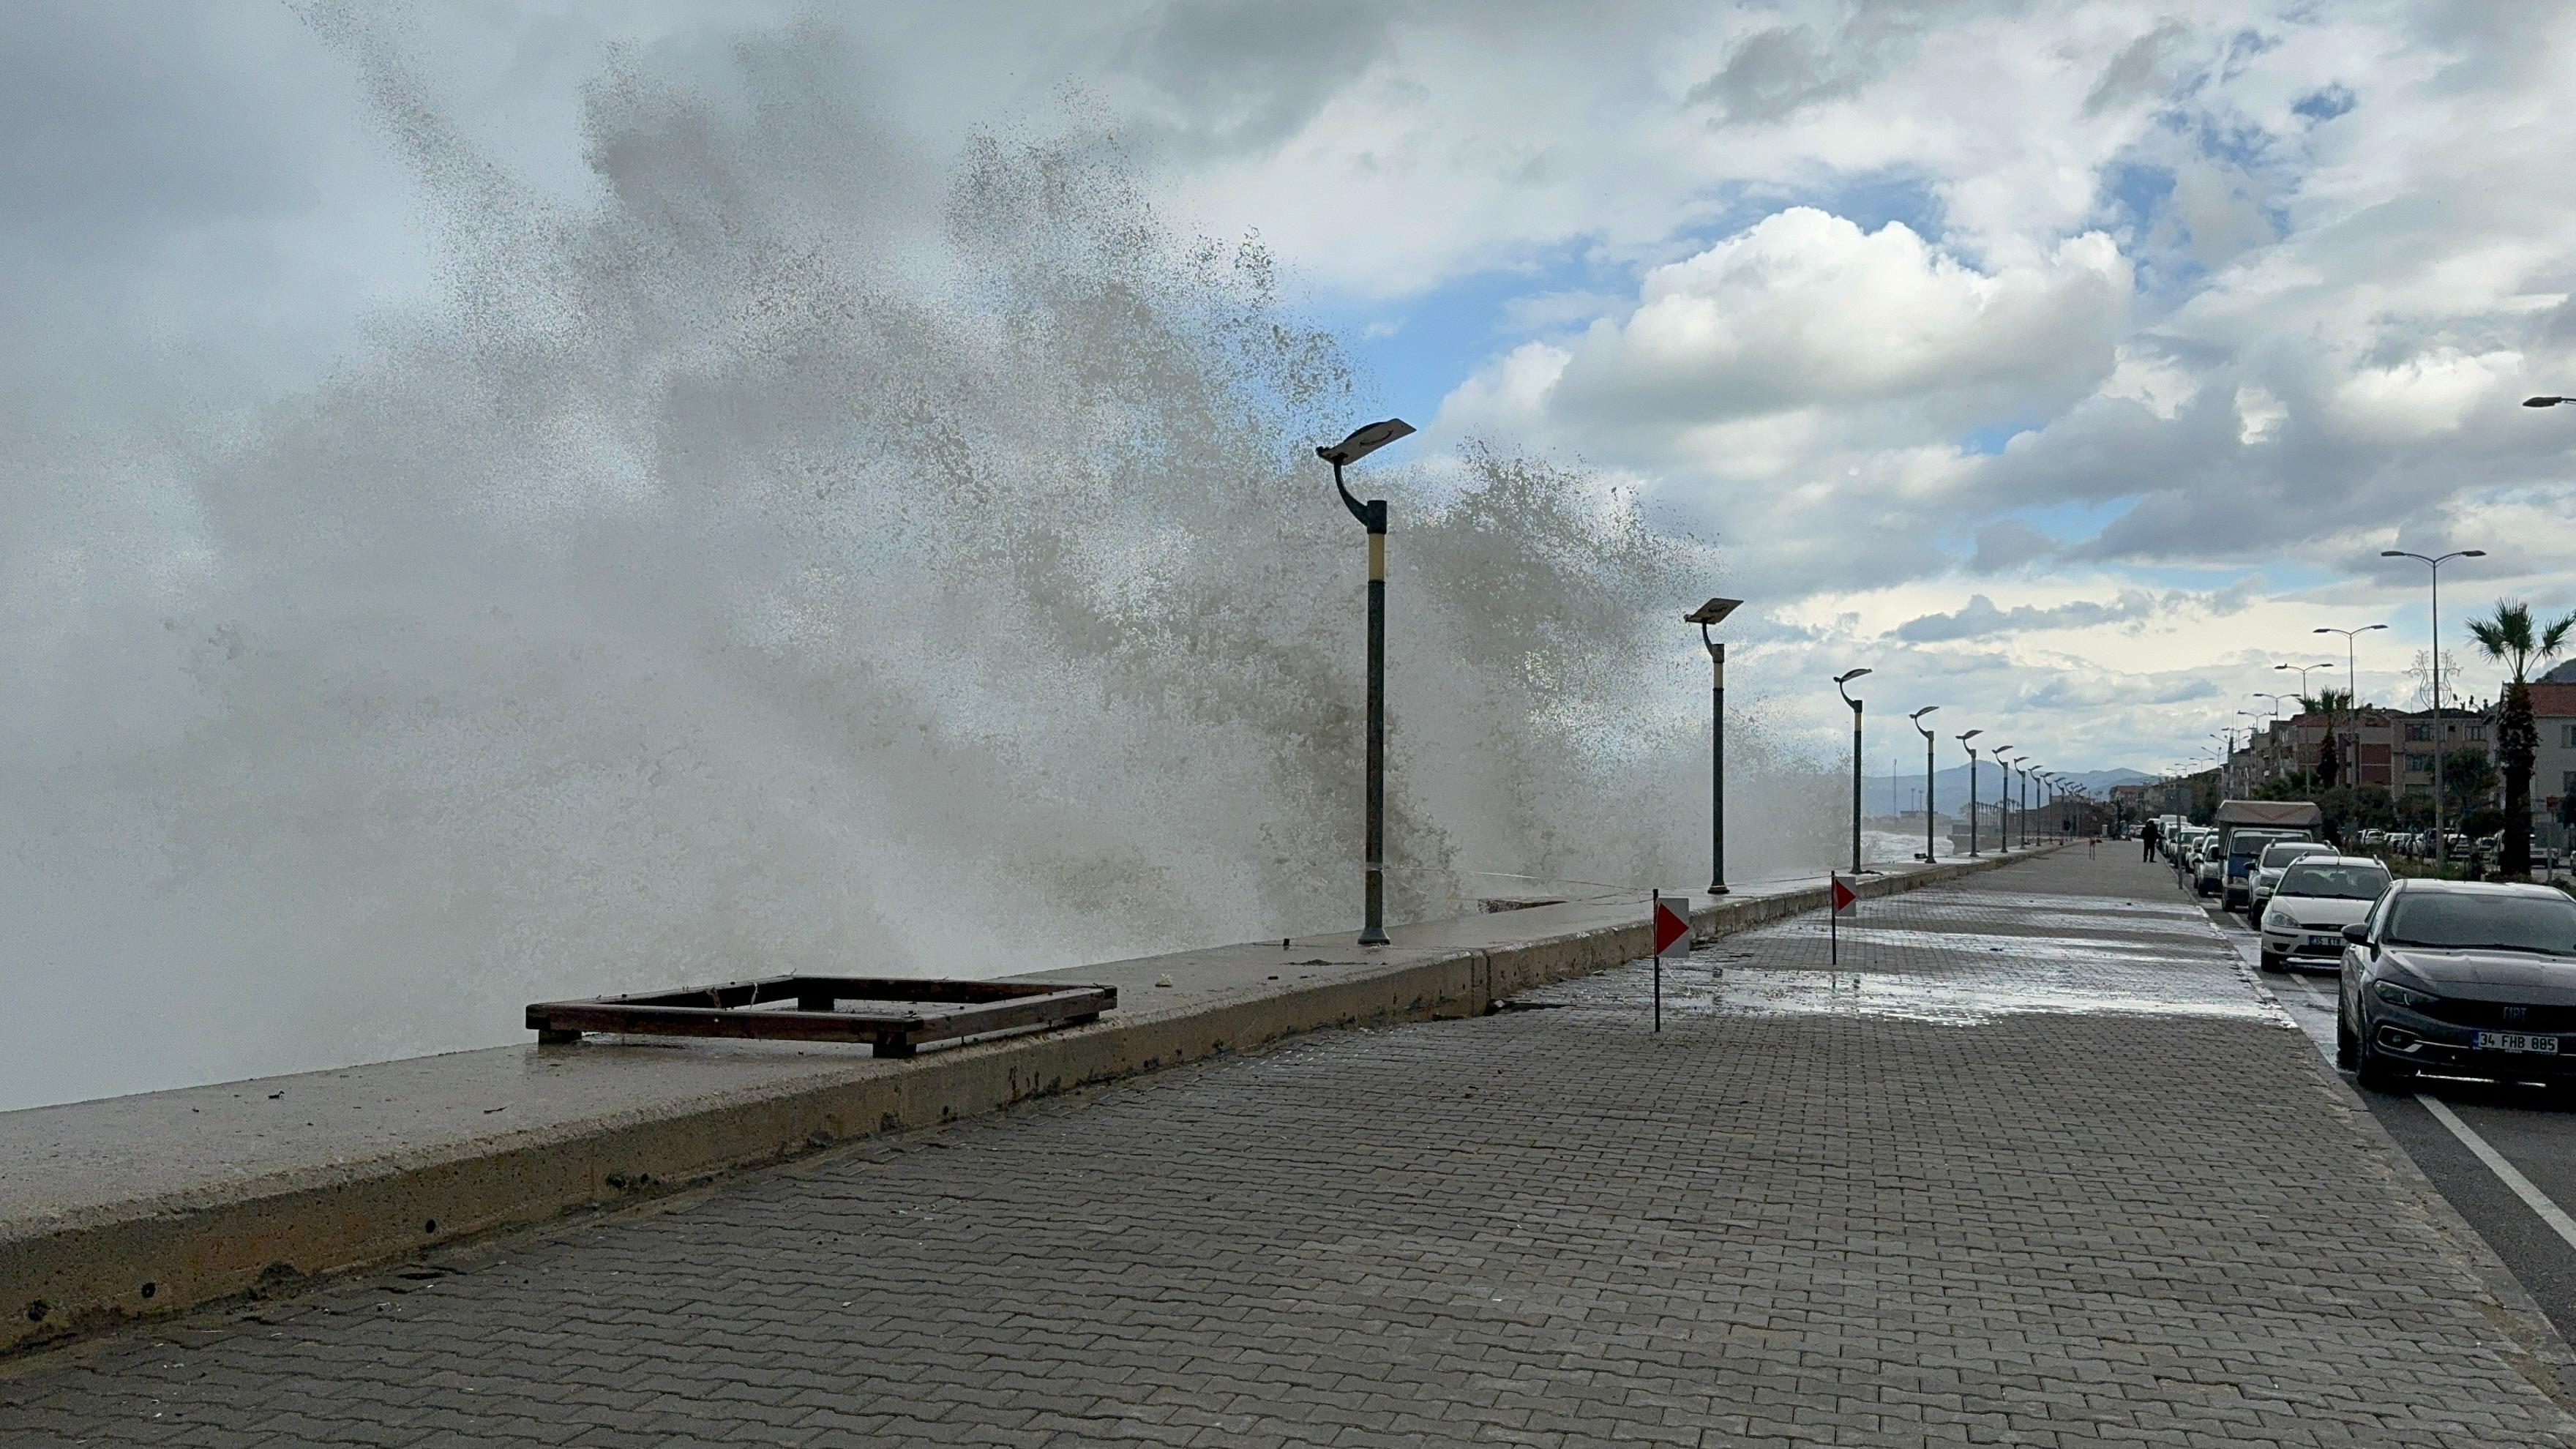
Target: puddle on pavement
[(2039, 949), (1926, 959), (1955, 998)]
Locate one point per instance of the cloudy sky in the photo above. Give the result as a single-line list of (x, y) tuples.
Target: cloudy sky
[(2065, 363)]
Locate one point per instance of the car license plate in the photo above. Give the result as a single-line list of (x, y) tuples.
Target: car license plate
[(2325, 941), (2514, 1041)]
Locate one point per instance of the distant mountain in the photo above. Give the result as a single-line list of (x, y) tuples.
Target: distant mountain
[(1889, 794)]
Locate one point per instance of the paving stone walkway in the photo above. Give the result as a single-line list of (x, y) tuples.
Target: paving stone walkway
[(2037, 1165)]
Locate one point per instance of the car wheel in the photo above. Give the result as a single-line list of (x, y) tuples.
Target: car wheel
[(2347, 1049), (2376, 1071), (2276, 962)]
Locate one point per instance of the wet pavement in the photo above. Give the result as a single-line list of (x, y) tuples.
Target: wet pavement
[(2032, 1164)]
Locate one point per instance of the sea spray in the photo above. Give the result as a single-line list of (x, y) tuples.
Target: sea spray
[(731, 579)]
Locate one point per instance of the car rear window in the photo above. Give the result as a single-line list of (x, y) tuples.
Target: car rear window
[(2335, 882), (2465, 920), (2290, 850)]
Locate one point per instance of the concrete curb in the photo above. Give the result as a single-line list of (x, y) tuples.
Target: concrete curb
[(67, 1273)]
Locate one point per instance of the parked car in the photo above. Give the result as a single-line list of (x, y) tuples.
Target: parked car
[(2266, 874), (2372, 839), (2244, 846), (2316, 897), (2459, 977), (2205, 878)]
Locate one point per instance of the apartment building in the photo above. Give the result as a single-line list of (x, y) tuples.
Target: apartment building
[(2553, 767), (2423, 735), (2291, 745)]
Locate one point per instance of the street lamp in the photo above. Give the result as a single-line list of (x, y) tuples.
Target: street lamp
[(2003, 796), (1972, 789), (2529, 402), (2025, 767), (1372, 516), (2441, 845), (1715, 612), (1929, 853), (2303, 669), (1846, 677), (2351, 697)]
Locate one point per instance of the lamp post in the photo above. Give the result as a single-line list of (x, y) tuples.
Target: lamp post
[(1715, 612), (2351, 697), (2003, 796), (2441, 845), (2271, 736), (1372, 516), (1930, 854), (2024, 766), (1972, 789), (1844, 678)]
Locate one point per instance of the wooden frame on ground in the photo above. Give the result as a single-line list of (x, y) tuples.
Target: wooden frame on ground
[(895, 1016)]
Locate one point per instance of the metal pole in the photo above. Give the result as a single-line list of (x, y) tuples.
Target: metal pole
[(1654, 922), (1929, 854), (1373, 850), (1972, 801), (1716, 764), (2441, 842), (1855, 823)]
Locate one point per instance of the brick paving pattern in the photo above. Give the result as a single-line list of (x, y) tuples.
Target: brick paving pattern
[(1940, 1197)]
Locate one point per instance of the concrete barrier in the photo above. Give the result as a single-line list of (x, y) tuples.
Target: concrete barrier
[(141, 1206)]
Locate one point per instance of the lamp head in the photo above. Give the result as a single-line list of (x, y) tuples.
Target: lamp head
[(2543, 402), (1927, 709), (1712, 612), (1970, 735), (1364, 441), (1848, 675), (2473, 553)]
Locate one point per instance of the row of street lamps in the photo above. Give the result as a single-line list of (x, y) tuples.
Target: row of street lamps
[(2352, 678), (1372, 516), (2054, 789)]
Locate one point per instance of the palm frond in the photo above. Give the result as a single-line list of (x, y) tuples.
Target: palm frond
[(2553, 640)]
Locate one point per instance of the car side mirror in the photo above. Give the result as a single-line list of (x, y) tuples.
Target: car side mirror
[(2357, 933)]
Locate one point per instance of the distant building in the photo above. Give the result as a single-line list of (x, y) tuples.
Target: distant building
[(2291, 746), (2423, 735), (2553, 766)]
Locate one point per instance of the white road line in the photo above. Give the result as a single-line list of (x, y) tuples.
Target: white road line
[(2532, 1197)]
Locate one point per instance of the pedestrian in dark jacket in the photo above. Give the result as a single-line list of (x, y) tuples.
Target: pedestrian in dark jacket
[(2149, 836)]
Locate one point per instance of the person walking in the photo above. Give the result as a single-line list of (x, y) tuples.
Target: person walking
[(2148, 836)]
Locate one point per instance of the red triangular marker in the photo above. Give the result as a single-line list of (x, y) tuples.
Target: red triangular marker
[(1843, 897), (1672, 927)]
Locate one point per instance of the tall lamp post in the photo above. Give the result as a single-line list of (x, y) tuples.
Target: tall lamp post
[(1844, 678), (1372, 516), (2303, 671), (2352, 698), (2441, 844), (2271, 736), (1929, 853), (2003, 796), (1710, 613), (2024, 766), (1972, 789)]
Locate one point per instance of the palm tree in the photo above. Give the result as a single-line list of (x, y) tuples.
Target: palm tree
[(2508, 638)]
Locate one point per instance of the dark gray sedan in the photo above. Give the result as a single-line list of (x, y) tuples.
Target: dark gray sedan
[(2460, 979)]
